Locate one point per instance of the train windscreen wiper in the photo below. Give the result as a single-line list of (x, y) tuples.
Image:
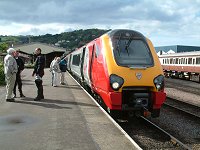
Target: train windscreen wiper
[(127, 45), (118, 43)]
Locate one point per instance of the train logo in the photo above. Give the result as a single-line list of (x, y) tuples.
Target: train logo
[(138, 75)]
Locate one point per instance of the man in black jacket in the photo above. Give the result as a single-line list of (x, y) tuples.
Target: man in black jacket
[(39, 72), (20, 65)]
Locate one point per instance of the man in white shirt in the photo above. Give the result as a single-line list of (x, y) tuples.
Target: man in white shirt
[(10, 70)]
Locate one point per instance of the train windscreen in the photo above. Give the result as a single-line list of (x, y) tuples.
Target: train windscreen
[(131, 51)]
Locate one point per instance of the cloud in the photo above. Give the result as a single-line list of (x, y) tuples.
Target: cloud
[(171, 20)]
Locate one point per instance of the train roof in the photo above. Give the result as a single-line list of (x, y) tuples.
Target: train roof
[(126, 32), (194, 53)]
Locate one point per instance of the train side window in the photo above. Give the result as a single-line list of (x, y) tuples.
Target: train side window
[(171, 60), (190, 61), (97, 50), (193, 61), (176, 61), (76, 60), (198, 60)]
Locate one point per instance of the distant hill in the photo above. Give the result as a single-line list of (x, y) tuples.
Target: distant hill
[(68, 40)]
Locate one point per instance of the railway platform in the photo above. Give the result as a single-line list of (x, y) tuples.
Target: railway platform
[(67, 119)]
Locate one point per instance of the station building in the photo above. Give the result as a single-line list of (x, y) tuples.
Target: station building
[(49, 52), (176, 49)]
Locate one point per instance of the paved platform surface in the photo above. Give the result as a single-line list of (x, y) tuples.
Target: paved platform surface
[(67, 119)]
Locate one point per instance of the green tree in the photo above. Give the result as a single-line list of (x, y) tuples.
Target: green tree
[(3, 47)]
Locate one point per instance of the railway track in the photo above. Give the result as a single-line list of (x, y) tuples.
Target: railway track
[(192, 110), (148, 135)]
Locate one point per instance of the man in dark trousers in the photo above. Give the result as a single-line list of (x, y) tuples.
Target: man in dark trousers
[(20, 65), (39, 72)]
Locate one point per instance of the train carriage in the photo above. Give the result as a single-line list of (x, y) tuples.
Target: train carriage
[(182, 65), (123, 71)]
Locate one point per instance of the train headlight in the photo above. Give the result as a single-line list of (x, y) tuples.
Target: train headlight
[(116, 82), (159, 82)]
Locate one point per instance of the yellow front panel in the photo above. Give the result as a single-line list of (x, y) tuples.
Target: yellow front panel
[(129, 75)]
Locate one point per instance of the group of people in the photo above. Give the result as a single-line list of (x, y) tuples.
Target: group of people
[(13, 66), (58, 66)]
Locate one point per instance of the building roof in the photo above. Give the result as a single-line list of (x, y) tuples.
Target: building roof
[(46, 49), (177, 48), (182, 54)]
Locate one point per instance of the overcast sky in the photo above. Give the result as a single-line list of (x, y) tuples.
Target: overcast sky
[(170, 22)]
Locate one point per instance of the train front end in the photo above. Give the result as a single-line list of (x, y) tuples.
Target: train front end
[(136, 81)]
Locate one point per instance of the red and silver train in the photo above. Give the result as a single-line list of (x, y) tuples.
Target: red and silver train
[(182, 65), (122, 70)]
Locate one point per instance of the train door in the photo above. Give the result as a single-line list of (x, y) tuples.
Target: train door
[(82, 62), (91, 66), (97, 69), (70, 59)]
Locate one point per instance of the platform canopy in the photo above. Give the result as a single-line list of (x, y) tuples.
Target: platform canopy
[(46, 49)]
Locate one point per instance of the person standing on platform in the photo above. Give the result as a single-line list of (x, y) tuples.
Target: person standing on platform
[(56, 71), (39, 73), (51, 70), (20, 64), (10, 70), (63, 68)]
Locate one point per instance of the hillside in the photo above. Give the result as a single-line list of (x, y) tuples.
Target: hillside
[(68, 40)]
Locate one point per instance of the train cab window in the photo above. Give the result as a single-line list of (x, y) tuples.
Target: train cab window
[(76, 60), (132, 52), (198, 60)]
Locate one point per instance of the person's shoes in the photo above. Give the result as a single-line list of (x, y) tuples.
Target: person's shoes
[(14, 96), (42, 97), (37, 99), (22, 95), (10, 100)]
